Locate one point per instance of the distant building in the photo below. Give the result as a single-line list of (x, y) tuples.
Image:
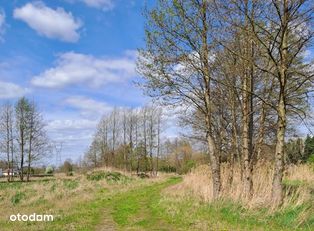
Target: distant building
[(10, 172)]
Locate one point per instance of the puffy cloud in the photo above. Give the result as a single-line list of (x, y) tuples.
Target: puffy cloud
[(11, 90), (74, 125), (74, 69), (52, 23), (98, 4), (88, 106), (74, 134)]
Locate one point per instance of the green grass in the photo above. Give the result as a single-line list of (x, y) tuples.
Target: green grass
[(140, 208), (145, 208), (70, 184), (133, 208), (17, 197), (15, 185), (141, 205), (192, 215)]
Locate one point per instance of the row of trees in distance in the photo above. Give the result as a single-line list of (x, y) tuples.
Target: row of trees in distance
[(134, 140)]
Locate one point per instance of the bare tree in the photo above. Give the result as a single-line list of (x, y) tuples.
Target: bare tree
[(7, 141), (176, 63), (159, 121), (22, 110)]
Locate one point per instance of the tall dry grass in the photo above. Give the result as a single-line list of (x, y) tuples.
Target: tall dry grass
[(198, 184), (56, 194)]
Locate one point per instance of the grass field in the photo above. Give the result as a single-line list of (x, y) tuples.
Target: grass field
[(104, 202)]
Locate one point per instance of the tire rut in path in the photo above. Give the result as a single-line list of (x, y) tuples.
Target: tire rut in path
[(107, 223)]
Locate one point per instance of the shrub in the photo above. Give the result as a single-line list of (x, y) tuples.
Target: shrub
[(96, 176), (70, 173), (49, 170), (67, 166), (187, 167), (167, 169), (114, 176), (142, 175), (108, 176)]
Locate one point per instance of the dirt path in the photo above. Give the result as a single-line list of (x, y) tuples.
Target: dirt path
[(137, 210), (107, 223)]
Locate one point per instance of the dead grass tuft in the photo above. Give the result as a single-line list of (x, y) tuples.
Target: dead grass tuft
[(198, 184)]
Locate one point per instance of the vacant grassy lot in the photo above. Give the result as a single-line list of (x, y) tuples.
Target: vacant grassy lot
[(105, 201)]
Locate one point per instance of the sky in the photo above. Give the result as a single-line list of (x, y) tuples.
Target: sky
[(75, 58)]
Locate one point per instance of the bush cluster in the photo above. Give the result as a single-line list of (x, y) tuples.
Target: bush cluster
[(110, 177)]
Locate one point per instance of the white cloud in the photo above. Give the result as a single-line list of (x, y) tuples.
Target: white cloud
[(88, 106), (11, 90), (75, 134), (98, 4), (73, 125), (74, 69), (52, 23), (101, 4)]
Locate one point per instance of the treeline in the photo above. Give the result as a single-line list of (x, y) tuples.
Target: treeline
[(23, 138), (132, 139), (299, 150), (129, 139), (241, 70), (124, 128)]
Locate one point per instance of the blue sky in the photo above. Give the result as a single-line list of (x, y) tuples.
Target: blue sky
[(76, 58)]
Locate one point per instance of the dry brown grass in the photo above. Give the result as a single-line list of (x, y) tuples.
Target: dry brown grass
[(300, 172), (61, 196), (41, 196), (55, 195), (198, 184)]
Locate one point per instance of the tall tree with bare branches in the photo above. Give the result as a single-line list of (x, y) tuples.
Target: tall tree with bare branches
[(176, 63)]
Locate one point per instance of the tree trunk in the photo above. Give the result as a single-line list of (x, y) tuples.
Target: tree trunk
[(277, 191), (8, 145), (260, 136), (22, 163), (28, 168), (235, 149), (30, 148), (247, 136), (11, 147), (22, 154), (145, 139), (215, 167), (246, 140), (214, 158), (158, 143)]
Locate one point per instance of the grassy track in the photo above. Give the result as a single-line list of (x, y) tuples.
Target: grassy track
[(140, 210), (135, 209)]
